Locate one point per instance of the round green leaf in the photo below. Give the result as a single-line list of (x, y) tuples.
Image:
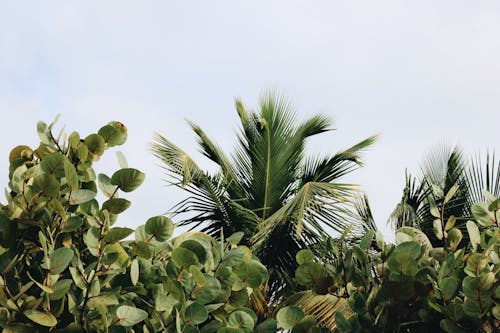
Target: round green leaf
[(121, 137), (141, 249), (289, 316), (209, 291), (127, 179), (110, 135), (20, 152), (184, 258), (41, 318), (196, 247), (95, 145), (306, 274), (159, 227), (59, 260), (242, 320), (129, 315), (52, 163), (195, 314), (304, 256), (267, 326), (47, 184)]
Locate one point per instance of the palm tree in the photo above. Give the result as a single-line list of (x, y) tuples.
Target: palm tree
[(443, 169), (268, 189)]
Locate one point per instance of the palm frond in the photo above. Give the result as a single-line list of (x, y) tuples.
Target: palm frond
[(483, 175), (329, 169), (322, 307), (314, 205), (364, 212), (213, 152)]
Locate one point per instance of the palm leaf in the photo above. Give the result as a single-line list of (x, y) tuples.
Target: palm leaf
[(322, 307)]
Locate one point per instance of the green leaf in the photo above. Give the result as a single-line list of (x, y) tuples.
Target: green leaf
[(60, 289), (52, 163), (233, 257), (195, 313), (454, 238), (451, 193), (450, 223), (209, 291), (495, 205), (474, 235), (449, 287), (184, 258), (307, 274), (110, 135), (134, 272), (241, 320), (95, 145), (105, 185), (235, 238), (42, 131), (116, 205), (73, 223), (47, 184), (197, 248), (122, 160), (159, 227), (81, 196), (122, 132), (304, 256), (438, 231), (481, 214), (129, 316), (267, 326), (20, 152), (366, 241), (127, 179), (41, 318), (116, 234), (59, 260), (71, 175), (289, 316), (475, 264)]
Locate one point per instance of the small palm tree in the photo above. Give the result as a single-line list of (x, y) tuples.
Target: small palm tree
[(443, 169), (268, 189)]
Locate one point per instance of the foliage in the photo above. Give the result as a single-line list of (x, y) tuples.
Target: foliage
[(413, 286), (64, 265), (445, 169), (267, 189)]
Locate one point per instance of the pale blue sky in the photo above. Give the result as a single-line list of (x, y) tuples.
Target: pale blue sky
[(416, 72)]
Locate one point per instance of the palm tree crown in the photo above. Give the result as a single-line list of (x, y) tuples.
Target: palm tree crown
[(268, 189)]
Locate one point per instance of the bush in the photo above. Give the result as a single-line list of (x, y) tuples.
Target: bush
[(411, 286), (65, 267)]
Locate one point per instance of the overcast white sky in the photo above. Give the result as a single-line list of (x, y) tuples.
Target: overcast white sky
[(416, 72)]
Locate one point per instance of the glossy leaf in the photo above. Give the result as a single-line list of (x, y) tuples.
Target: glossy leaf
[(127, 179)]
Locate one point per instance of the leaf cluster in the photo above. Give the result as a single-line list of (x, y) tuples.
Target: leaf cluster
[(412, 286)]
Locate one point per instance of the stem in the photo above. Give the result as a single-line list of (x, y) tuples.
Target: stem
[(9, 295), (97, 269)]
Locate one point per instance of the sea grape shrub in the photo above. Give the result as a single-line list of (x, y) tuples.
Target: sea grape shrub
[(411, 286), (65, 267)]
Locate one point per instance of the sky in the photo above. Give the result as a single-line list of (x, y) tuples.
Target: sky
[(418, 73)]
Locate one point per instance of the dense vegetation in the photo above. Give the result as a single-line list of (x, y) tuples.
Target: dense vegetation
[(265, 258)]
